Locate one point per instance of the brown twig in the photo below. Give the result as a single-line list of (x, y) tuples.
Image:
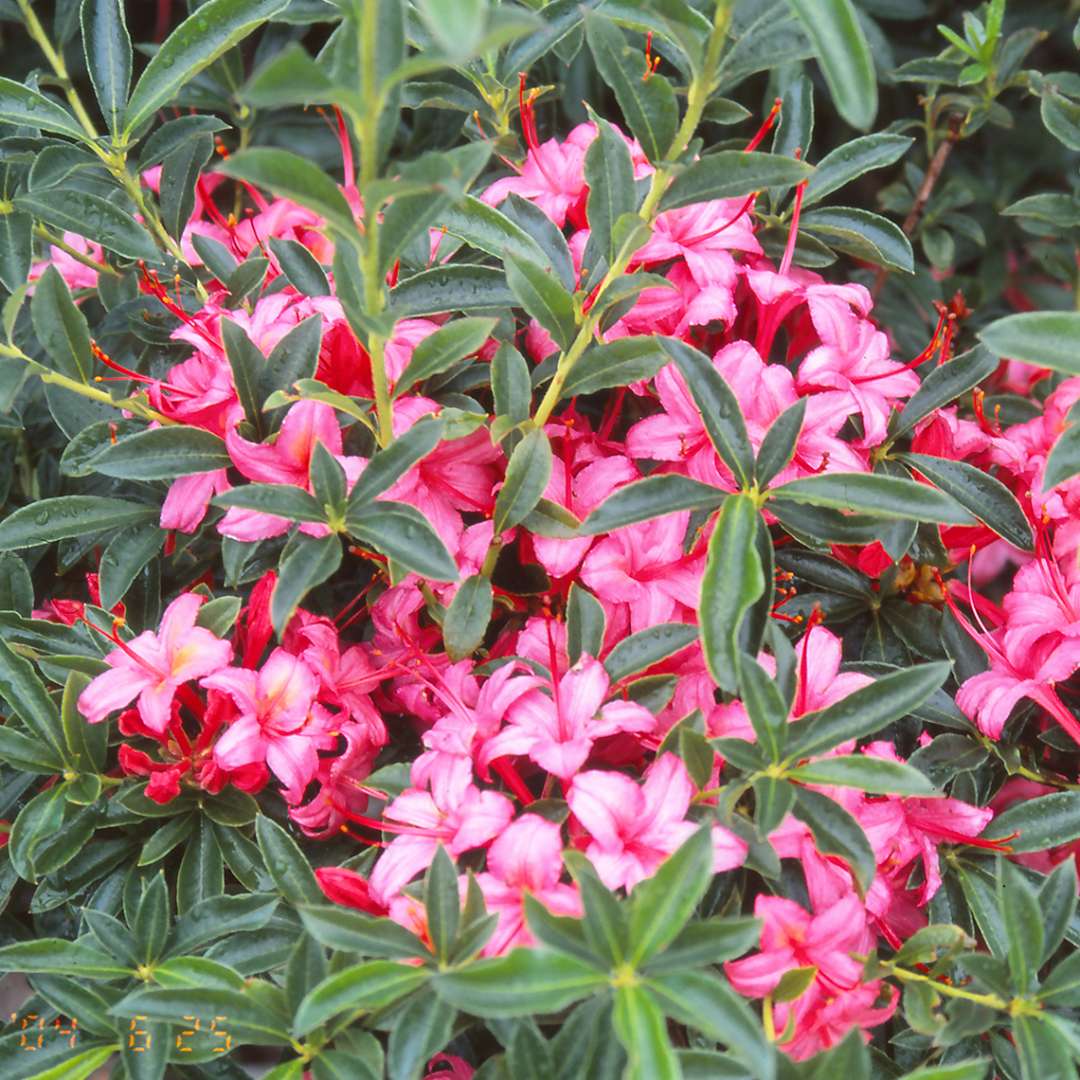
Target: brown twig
[(926, 189)]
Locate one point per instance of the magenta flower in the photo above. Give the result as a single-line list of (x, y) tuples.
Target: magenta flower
[(153, 666), (793, 938), (558, 732), (635, 827), (461, 819), (279, 721)]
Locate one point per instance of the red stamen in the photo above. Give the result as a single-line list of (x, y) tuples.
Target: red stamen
[(766, 126), (789, 251), (925, 355)]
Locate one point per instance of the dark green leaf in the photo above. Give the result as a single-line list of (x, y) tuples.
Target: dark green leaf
[(467, 617), (617, 363), (865, 711), (650, 498), (863, 234), (98, 219), (389, 465), (640, 1027), (527, 476), (61, 327), (648, 104), (728, 174), (836, 832), (362, 986), (719, 408), (300, 267), (647, 647), (283, 500), (945, 384), (443, 349), (24, 107), (197, 42), (403, 534), (27, 697), (865, 772), (1043, 338), (844, 56), (850, 161), (423, 1028), (451, 288), (609, 174), (1043, 822), (542, 295), (733, 580), (351, 931), (162, 454), (285, 861), (585, 622), (779, 444), (307, 561), (873, 493), (766, 707)]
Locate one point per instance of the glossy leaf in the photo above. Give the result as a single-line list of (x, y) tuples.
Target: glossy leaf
[(1043, 338)]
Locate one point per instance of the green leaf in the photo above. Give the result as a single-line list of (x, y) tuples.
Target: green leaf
[(152, 920), (27, 697), (451, 288), (867, 236), (1042, 823), (977, 491), (719, 408), (180, 173), (865, 711), (27, 754), (876, 775), (845, 59), (1043, 338), (523, 982), (287, 174), (307, 561), (162, 454), (424, 1027), (62, 957), (648, 104), (126, 556), (389, 465), (294, 357), (960, 1070), (490, 230), (664, 903), (1042, 1051), (402, 533), (728, 174), (1023, 925), (242, 1009), (198, 41), (286, 864), (778, 446), (90, 216), (23, 107), (247, 364), (527, 476), (351, 931), (16, 585), (732, 582), (872, 493), (765, 705), (585, 623), (284, 500), (371, 985), (446, 347), (300, 267), (616, 363), (61, 327), (640, 1027), (836, 832), (467, 617), (650, 498), (16, 249), (1064, 460), (605, 922), (706, 1003), (647, 647), (291, 77), (852, 160), (202, 870), (442, 903), (1061, 115), (945, 384), (705, 942), (609, 174), (218, 917), (510, 384), (542, 295)]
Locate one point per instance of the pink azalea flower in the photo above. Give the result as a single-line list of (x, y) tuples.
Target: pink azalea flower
[(461, 819), (821, 1018), (642, 576), (525, 859), (189, 498), (793, 938), (279, 721), (153, 666), (635, 827), (558, 732)]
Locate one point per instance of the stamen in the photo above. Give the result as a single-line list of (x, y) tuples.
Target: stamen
[(766, 126), (789, 251)]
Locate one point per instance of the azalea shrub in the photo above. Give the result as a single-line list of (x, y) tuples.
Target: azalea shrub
[(539, 540)]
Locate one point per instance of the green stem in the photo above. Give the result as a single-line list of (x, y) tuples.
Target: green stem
[(697, 97), (992, 1001), (47, 375), (56, 62), (75, 253), (374, 294)]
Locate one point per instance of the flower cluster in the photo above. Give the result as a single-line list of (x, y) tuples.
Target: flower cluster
[(536, 716)]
